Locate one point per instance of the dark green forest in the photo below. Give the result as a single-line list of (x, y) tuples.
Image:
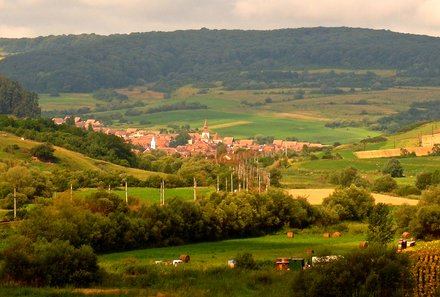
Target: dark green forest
[(16, 101), (241, 59)]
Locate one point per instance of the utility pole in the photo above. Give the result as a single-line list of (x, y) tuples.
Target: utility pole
[(232, 183), (195, 189), (15, 203), (71, 192), (126, 192)]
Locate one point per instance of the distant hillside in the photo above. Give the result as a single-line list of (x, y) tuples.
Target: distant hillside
[(241, 59)]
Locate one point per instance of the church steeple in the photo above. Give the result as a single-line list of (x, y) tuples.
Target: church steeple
[(205, 133)]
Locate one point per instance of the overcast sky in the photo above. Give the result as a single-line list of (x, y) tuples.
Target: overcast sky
[(30, 18)]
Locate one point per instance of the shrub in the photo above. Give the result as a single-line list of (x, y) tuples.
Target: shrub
[(245, 261), (384, 184), (393, 168), (408, 190)]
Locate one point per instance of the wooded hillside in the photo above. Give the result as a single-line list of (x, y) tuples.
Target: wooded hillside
[(242, 59), (17, 101)]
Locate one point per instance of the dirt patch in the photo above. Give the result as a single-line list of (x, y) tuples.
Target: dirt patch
[(315, 197), (229, 124)]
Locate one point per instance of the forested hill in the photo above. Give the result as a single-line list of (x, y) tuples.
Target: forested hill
[(90, 62)]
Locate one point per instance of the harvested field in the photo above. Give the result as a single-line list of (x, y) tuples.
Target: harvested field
[(419, 151), (315, 196)]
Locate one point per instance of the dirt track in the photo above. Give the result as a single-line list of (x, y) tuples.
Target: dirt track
[(315, 196)]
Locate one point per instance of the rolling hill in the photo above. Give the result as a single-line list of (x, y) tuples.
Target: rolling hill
[(241, 59)]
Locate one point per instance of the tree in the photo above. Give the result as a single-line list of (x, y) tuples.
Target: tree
[(380, 225), (44, 152), (393, 168), (351, 203), (426, 224)]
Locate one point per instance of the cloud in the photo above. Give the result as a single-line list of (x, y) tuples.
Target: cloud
[(43, 17)]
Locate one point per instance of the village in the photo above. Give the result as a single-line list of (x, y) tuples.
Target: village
[(199, 143)]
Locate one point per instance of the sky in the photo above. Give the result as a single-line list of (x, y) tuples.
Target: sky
[(31, 18)]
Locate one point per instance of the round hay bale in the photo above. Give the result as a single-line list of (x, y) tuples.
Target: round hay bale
[(184, 258), (363, 244), (326, 235), (290, 234), (406, 235), (336, 234)]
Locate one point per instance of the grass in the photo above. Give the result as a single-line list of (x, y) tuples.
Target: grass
[(216, 254)]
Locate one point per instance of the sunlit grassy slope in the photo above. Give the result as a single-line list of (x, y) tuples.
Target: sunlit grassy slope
[(65, 159)]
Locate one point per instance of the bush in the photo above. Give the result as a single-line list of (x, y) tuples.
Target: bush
[(245, 261), (55, 263), (43, 152), (408, 190), (393, 168), (384, 184), (375, 271)]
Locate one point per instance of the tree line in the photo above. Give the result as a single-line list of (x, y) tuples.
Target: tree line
[(242, 59)]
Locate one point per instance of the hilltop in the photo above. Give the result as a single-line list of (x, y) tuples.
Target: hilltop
[(240, 59)]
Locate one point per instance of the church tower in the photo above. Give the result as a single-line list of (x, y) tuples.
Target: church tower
[(153, 143), (205, 133)]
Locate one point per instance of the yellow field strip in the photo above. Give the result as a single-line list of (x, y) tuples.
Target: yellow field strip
[(315, 197)]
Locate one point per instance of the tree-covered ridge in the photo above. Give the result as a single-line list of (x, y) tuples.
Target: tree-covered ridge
[(17, 101), (89, 62)]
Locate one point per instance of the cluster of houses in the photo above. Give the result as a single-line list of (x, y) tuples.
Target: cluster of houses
[(204, 142)]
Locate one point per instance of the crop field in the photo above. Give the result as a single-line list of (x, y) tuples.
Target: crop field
[(315, 197), (66, 101)]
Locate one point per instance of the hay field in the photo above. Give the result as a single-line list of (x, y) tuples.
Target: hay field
[(315, 197)]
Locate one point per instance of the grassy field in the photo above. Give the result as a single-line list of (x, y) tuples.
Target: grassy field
[(315, 173), (217, 254)]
